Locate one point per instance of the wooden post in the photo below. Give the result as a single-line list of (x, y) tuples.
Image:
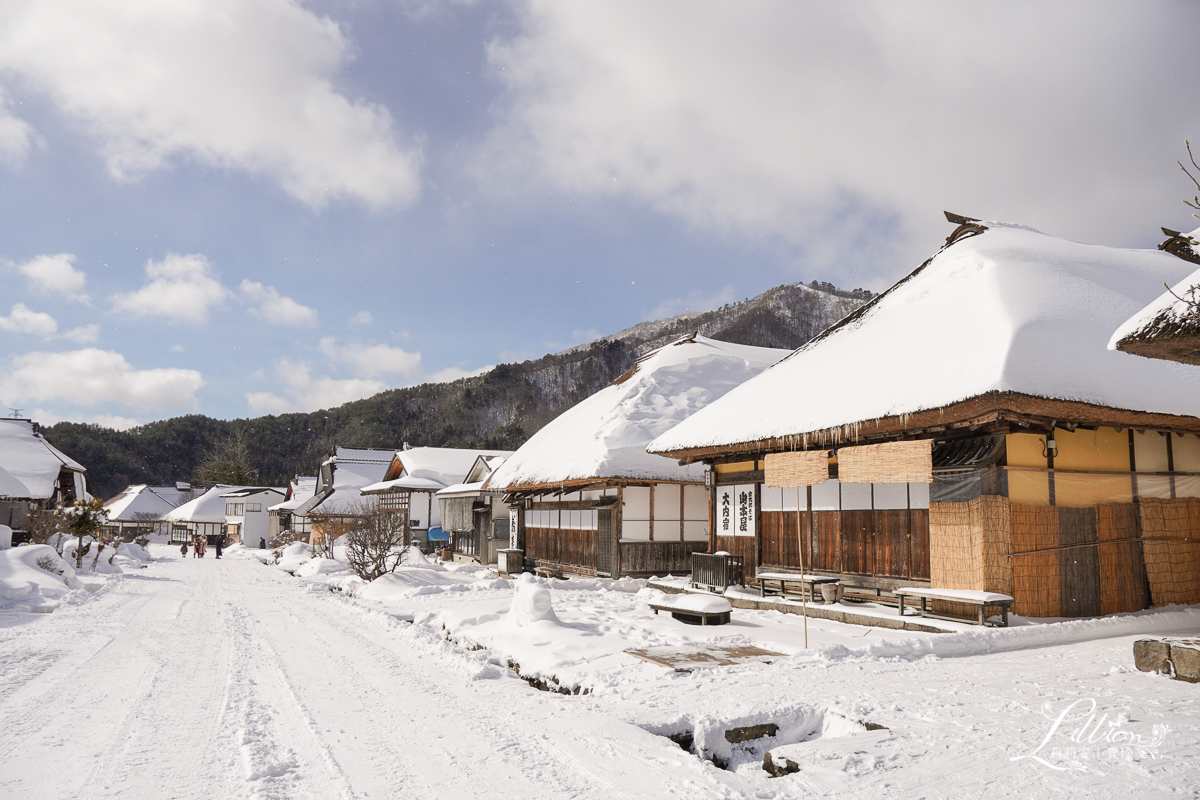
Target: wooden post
[(800, 538)]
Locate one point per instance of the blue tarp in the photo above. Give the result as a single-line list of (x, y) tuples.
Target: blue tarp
[(438, 535)]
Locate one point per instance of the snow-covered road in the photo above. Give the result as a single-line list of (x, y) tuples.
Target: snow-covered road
[(205, 678)]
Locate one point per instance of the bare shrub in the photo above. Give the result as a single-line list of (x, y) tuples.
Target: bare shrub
[(50, 565), (375, 545)]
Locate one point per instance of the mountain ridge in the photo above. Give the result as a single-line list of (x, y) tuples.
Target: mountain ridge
[(498, 409)]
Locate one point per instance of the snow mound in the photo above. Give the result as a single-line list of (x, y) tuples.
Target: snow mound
[(531, 603), (22, 579), (134, 551), (294, 556), (5, 537), (410, 582), (321, 566)]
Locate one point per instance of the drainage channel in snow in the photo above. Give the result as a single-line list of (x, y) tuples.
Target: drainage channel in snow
[(779, 742)]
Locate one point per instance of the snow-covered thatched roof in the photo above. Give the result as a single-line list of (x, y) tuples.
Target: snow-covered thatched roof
[(299, 491), (605, 436), (144, 500), (208, 507), (430, 468), (342, 478), (32, 460), (11, 486), (1169, 327), (1006, 310)]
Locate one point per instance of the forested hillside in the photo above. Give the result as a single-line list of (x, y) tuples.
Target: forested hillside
[(499, 409)]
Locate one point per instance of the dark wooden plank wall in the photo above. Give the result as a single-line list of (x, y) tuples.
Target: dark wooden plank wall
[(742, 546), (781, 543), (891, 543), (569, 548), (1079, 567), (659, 558)]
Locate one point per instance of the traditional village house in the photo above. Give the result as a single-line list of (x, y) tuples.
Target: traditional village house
[(337, 502), (1169, 327), (413, 478), (229, 513), (591, 500), (34, 475), (476, 518), (969, 429), (283, 520), (139, 510)]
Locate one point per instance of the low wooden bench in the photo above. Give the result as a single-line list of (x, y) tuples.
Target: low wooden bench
[(981, 600), (693, 616), (806, 582)]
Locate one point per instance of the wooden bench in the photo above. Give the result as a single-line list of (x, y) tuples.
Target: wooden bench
[(979, 599), (694, 616), (809, 582)]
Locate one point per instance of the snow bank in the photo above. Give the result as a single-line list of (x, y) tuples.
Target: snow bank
[(294, 556), (1025, 636), (321, 566), (22, 579), (5, 537), (531, 603), (134, 552), (408, 582)]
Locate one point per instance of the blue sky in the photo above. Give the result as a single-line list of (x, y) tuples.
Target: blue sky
[(239, 207)]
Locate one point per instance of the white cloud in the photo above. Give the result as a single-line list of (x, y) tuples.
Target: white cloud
[(17, 137), (22, 320), (454, 373), (236, 84), (838, 127), (92, 377), (55, 274), (181, 289), (372, 360), (362, 318), (275, 308), (304, 392), (84, 334)]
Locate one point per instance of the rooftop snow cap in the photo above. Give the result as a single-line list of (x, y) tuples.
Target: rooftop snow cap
[(1169, 327), (1000, 308), (605, 436), (30, 459)]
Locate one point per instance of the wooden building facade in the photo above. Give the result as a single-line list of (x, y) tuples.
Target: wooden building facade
[(969, 429)]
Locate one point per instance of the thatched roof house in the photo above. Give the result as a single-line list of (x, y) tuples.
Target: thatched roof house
[(594, 499), (970, 428), (1169, 327)]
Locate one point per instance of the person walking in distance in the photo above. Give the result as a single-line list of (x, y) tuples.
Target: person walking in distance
[(183, 548), (220, 545)]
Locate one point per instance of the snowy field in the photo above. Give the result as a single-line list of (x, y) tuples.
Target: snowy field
[(235, 679)]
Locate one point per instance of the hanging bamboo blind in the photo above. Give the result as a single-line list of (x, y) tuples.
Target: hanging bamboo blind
[(891, 462), (800, 468), (1173, 560), (968, 545), (1036, 574)]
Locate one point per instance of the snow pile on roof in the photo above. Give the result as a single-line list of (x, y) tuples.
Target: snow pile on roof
[(433, 468), (1010, 309), (208, 507), (300, 490), (143, 499), (352, 470), (11, 485), (31, 459), (1166, 315), (606, 435)]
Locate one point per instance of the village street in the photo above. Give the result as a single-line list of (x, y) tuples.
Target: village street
[(233, 679), (206, 679)]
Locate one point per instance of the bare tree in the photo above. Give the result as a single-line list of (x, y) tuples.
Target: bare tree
[(1195, 201), (376, 544), (228, 462)]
